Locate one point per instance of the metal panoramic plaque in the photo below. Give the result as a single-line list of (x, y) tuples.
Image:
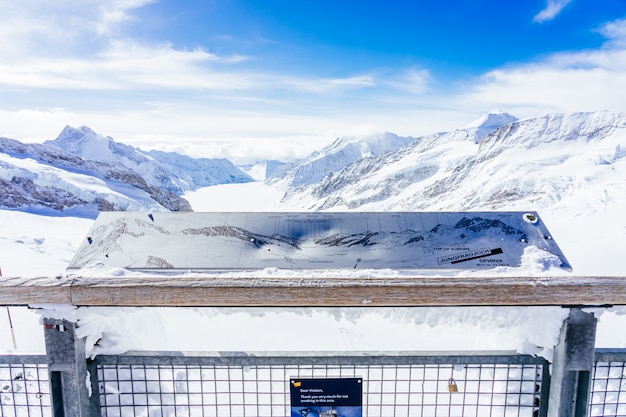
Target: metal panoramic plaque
[(249, 241)]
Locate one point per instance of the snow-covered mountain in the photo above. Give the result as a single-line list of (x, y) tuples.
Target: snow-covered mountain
[(81, 173), (166, 170), (191, 173), (44, 179), (489, 122), (496, 162), (534, 163), (267, 169), (352, 149), (342, 152)]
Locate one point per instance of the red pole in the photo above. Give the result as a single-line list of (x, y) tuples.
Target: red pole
[(12, 331)]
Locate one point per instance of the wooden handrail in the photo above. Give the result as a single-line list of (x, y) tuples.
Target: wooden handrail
[(339, 292)]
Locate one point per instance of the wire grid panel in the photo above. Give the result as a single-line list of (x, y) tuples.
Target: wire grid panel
[(24, 388), (389, 390), (608, 385)]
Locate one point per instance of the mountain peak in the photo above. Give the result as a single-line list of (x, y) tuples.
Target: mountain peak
[(371, 143), (82, 141), (489, 122), (344, 151), (493, 118), (73, 133)]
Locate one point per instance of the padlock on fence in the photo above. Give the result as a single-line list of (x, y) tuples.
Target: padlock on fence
[(452, 387)]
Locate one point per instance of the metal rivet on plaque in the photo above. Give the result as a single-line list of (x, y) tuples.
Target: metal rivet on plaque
[(530, 218), (452, 387)]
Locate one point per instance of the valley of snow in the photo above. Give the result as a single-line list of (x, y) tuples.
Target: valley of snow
[(576, 181)]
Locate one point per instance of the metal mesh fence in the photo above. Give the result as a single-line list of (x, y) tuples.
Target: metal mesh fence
[(24, 386), (259, 386), (608, 387)]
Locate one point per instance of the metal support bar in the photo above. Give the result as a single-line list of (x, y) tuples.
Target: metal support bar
[(68, 370), (573, 363)]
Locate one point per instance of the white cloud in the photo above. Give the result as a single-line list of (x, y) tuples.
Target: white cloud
[(41, 28), (112, 13), (413, 81), (35, 125), (75, 45), (553, 8), (126, 65), (616, 32), (356, 81), (582, 81), (80, 44)]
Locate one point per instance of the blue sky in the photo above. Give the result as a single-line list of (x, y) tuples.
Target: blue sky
[(278, 79)]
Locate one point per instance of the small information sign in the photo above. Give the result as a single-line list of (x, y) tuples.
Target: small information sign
[(327, 397)]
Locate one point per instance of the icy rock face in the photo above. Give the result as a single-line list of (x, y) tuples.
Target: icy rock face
[(166, 170), (82, 172), (488, 123), (43, 178), (22, 192), (82, 142), (87, 144), (190, 173), (342, 152), (535, 162)]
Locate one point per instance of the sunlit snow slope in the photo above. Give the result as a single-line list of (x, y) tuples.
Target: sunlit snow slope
[(534, 163)]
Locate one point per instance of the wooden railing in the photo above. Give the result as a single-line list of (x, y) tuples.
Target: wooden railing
[(289, 291)]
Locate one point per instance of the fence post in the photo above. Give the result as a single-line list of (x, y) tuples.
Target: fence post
[(67, 367), (573, 362)]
